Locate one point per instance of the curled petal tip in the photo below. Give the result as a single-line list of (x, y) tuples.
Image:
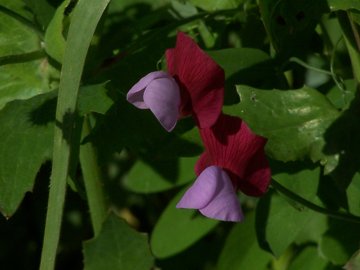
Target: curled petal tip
[(159, 92), (214, 196), (136, 94)]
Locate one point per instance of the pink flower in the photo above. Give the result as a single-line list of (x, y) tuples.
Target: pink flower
[(233, 160), (194, 85)]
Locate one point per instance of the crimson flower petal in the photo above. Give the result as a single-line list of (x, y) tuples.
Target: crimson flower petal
[(136, 94), (162, 96), (200, 78), (214, 195), (231, 145)]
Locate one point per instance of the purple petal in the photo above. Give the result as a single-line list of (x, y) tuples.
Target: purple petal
[(162, 96), (214, 195), (202, 191), (136, 94)]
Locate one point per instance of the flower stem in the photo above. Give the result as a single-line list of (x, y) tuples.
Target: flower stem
[(330, 213)]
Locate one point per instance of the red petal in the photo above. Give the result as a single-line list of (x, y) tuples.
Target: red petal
[(200, 78), (230, 144)]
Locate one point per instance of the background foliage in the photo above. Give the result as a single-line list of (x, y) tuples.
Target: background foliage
[(292, 73)]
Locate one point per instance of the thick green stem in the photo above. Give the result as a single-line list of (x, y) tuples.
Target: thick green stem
[(85, 18), (93, 185), (330, 213)]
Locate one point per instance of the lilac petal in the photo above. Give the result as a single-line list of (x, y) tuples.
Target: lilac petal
[(162, 96), (202, 191), (136, 94), (214, 195)]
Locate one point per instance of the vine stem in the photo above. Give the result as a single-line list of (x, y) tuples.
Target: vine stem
[(330, 213), (85, 18)]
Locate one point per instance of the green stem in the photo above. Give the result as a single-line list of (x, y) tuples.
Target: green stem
[(86, 16), (330, 213), (93, 185), (22, 20), (21, 58), (305, 65)]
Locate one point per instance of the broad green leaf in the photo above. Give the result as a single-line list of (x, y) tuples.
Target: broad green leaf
[(15, 36), (143, 178), (23, 70), (340, 242), (301, 178), (279, 223), (177, 229), (26, 130), (43, 10), (308, 259), (241, 249), (290, 25), (54, 35), (341, 98), (94, 98), (212, 5), (343, 4), (245, 66), (274, 210), (117, 247), (23, 80), (294, 121)]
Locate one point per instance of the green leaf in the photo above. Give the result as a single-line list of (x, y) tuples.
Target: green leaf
[(94, 98), (117, 247), (143, 178), (343, 4), (212, 5), (279, 223), (177, 229), (23, 80), (342, 99), (23, 69), (43, 10), (245, 66), (294, 121), (274, 210), (308, 259), (340, 242), (241, 249), (26, 142), (54, 35), (15, 35)]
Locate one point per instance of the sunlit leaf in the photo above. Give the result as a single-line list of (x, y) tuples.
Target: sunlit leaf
[(293, 121)]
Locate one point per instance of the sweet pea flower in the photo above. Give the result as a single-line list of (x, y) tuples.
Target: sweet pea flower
[(193, 85), (233, 160)]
